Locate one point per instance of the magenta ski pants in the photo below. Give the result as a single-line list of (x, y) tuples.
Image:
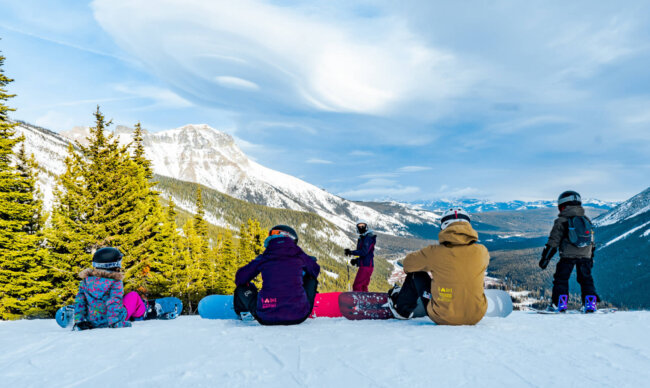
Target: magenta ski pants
[(135, 307), (363, 279)]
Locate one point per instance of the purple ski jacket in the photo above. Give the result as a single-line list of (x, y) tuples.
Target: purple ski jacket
[(99, 300), (282, 298), (366, 249)]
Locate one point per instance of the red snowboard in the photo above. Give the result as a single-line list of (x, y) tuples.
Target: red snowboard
[(364, 305), (326, 305)]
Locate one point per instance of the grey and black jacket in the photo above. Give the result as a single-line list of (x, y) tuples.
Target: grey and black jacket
[(559, 238)]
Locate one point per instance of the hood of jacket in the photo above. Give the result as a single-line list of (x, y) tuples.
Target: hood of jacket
[(279, 247), (572, 211), (458, 233), (98, 282)]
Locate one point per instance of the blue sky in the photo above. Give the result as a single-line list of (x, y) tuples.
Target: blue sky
[(369, 100)]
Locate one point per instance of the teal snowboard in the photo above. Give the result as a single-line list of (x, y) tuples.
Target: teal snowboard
[(217, 307)]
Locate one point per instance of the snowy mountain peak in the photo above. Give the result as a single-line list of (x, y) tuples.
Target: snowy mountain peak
[(201, 154), (633, 207)]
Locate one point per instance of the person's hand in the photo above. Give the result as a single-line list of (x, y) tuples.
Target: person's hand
[(79, 326), (355, 262), (348, 252), (547, 255)]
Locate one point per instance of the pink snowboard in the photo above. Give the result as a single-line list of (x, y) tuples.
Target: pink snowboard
[(326, 305)]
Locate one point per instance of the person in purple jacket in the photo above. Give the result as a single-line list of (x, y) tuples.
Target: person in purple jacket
[(289, 282), (100, 301), (366, 254)]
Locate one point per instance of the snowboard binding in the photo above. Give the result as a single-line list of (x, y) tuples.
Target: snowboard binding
[(591, 303), (563, 303)]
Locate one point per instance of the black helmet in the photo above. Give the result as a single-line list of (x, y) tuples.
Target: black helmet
[(107, 258), (285, 231), (569, 198)]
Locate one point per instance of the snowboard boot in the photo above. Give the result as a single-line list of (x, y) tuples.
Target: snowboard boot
[(563, 303), (393, 293), (151, 312), (590, 304)]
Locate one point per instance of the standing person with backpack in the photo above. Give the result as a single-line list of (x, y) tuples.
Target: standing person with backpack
[(573, 236), (365, 253)]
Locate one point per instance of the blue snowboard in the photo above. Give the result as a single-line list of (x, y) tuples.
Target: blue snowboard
[(217, 307)]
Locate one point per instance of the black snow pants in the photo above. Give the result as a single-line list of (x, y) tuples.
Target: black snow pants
[(563, 273), (416, 288), (245, 300)]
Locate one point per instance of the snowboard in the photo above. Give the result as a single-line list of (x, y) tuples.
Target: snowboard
[(374, 305), (217, 307), (599, 311), (166, 308), (326, 305)]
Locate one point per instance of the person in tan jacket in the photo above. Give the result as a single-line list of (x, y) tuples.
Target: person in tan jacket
[(453, 294)]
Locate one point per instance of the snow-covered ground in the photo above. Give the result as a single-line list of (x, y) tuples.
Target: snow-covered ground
[(523, 350)]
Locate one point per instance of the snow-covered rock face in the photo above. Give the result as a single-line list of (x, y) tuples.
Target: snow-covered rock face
[(631, 208), (201, 154)]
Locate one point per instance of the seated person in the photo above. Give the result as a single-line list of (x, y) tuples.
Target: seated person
[(453, 294), (289, 282)]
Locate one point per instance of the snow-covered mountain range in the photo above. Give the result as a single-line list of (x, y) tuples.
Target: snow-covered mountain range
[(481, 205), (201, 154), (622, 258)]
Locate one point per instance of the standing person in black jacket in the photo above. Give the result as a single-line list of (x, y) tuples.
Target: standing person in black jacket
[(572, 235), (366, 254)]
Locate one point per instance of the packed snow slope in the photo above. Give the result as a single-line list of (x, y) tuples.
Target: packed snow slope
[(523, 350)]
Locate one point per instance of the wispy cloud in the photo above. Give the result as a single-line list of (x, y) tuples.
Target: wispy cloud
[(319, 161), (236, 83), (311, 60), (160, 96), (413, 168), (361, 153)]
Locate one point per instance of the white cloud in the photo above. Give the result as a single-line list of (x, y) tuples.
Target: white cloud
[(279, 125), (361, 153), (380, 192), (160, 96), (459, 192), (236, 83), (319, 161), (371, 65), (413, 168)]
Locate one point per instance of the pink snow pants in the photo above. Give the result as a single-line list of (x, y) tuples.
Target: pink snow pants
[(135, 307), (363, 279)]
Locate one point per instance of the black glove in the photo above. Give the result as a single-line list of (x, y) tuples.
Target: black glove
[(547, 255), (348, 252), (82, 326), (355, 262)]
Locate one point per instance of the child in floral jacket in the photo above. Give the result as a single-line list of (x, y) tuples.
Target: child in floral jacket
[(100, 301)]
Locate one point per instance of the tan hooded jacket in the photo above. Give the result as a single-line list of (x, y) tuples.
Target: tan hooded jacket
[(457, 267)]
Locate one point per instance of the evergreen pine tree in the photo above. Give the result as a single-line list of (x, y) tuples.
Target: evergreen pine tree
[(24, 287), (227, 265), (103, 199), (195, 271), (139, 153)]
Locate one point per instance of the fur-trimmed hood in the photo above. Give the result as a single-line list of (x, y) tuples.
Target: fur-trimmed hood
[(100, 273)]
